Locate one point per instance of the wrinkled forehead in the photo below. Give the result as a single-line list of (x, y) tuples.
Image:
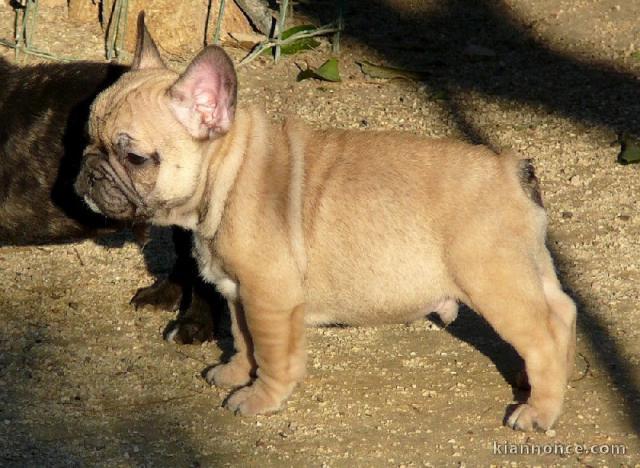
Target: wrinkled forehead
[(135, 91)]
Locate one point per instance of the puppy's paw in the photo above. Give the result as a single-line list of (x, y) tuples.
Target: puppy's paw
[(163, 294), (527, 418), (230, 375), (253, 400)]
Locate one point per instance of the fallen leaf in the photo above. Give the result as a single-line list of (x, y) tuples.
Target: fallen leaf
[(389, 73), (440, 95), (305, 43), (477, 51), (328, 71), (630, 149)]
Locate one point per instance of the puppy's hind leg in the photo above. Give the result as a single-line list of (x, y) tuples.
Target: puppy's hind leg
[(511, 296), (561, 307), (562, 310)]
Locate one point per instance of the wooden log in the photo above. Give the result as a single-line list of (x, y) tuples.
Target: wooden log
[(181, 28), (53, 3)]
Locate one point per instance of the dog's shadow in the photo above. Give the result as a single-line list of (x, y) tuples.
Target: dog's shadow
[(471, 328), (468, 327)]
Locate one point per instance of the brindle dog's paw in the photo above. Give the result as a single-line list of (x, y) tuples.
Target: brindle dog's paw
[(249, 401), (189, 330), (194, 325), (163, 294), (230, 375), (527, 418)]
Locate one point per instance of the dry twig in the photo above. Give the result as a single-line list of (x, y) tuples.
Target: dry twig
[(321, 31)]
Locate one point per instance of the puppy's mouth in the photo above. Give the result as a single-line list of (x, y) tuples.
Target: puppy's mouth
[(109, 191), (91, 204)]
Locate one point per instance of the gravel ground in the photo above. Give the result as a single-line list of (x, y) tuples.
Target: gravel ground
[(85, 379)]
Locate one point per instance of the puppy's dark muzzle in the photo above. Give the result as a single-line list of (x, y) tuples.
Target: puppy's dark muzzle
[(108, 191), (88, 176)]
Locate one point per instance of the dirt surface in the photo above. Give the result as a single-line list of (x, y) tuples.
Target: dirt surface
[(85, 379)]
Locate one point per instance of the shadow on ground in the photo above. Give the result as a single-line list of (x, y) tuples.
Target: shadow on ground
[(47, 420), (523, 70), (474, 330), (608, 353)]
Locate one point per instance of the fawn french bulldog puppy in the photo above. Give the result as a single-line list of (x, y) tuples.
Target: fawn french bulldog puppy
[(299, 227), (44, 110)]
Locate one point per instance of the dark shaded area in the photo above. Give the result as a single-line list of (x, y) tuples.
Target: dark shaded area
[(611, 359), (523, 70), (608, 352), (202, 310), (43, 114), (18, 445), (44, 111), (474, 330), (57, 432)]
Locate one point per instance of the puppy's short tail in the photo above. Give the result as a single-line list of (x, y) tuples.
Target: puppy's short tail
[(526, 175), (529, 181)]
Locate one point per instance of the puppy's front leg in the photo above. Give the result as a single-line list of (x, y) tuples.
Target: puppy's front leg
[(277, 333), (237, 372)]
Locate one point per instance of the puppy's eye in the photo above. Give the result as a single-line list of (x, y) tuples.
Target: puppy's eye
[(136, 159)]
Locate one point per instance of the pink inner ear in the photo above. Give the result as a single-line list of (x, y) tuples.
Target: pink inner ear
[(213, 114), (206, 92), (205, 104), (204, 96)]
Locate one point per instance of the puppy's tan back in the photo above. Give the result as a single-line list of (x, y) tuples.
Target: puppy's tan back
[(391, 202)]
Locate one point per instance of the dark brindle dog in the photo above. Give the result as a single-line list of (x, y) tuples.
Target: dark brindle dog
[(43, 114)]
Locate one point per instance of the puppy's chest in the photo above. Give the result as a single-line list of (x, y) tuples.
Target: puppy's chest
[(211, 270)]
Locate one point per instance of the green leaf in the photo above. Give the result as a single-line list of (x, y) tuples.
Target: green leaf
[(389, 73), (636, 55), (286, 34), (630, 151), (440, 95), (305, 43), (306, 74), (328, 71)]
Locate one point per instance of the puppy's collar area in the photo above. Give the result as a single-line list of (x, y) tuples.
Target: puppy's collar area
[(226, 156)]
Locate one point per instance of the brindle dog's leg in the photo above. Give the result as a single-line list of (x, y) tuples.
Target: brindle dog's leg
[(200, 304), (174, 292)]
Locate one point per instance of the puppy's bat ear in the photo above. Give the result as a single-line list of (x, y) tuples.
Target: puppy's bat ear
[(204, 97), (146, 54)]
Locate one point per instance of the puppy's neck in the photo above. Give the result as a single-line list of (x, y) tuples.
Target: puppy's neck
[(225, 157)]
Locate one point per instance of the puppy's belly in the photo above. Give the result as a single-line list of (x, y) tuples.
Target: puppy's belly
[(364, 274), (353, 315), (399, 297)]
